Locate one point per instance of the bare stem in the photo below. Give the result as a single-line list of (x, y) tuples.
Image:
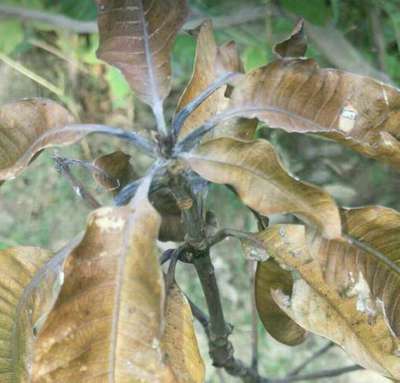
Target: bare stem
[(221, 349), (313, 357), (324, 374)]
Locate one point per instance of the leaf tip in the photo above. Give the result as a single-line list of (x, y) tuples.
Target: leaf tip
[(295, 45)]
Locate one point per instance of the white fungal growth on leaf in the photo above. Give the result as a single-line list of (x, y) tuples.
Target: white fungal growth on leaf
[(106, 220), (365, 303)]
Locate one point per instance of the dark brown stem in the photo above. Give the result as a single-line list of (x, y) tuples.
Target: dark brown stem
[(221, 349), (196, 251), (192, 214), (199, 315), (170, 277)]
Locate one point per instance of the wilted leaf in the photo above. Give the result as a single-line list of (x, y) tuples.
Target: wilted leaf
[(379, 227), (30, 282), (208, 66), (257, 175), (346, 293), (136, 36), (295, 45), (116, 171), (172, 228), (179, 340), (298, 96), (28, 126), (211, 62), (108, 320), (270, 276), (108, 323)]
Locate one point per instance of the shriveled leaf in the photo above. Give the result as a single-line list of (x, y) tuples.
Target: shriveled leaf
[(270, 276), (295, 45), (211, 62), (379, 227), (257, 175), (27, 127), (107, 323), (298, 96), (208, 66), (228, 58), (136, 36), (115, 171), (179, 340), (30, 282), (172, 228), (347, 293)]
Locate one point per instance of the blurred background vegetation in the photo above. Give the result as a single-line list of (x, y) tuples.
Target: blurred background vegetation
[(44, 55)]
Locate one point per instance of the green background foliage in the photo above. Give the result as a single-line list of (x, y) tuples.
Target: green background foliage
[(39, 208)]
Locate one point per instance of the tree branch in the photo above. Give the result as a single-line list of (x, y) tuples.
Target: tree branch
[(317, 375), (313, 357), (59, 21), (221, 349), (241, 16)]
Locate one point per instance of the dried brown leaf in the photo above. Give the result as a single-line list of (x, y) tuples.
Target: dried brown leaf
[(269, 277), (262, 183), (108, 323), (179, 340), (27, 127), (345, 292), (172, 228), (30, 282), (115, 171), (298, 96), (136, 36), (211, 62), (295, 45), (206, 70)]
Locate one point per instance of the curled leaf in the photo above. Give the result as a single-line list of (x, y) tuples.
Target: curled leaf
[(172, 228), (208, 66), (295, 45), (27, 127), (211, 62), (179, 339), (30, 282), (262, 183), (136, 36), (347, 291), (296, 95), (109, 320), (115, 171), (269, 277)]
